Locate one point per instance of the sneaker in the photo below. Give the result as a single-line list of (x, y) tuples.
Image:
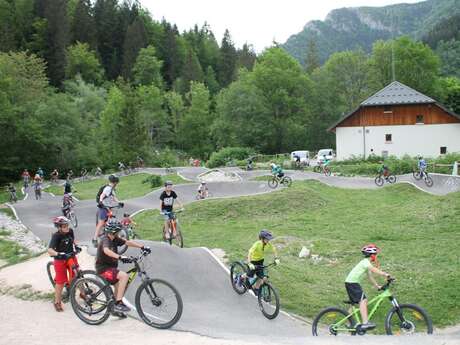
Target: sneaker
[(121, 308), (367, 326), (58, 306)]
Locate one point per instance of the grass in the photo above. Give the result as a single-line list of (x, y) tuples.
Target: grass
[(418, 234), (129, 187), (8, 212), (10, 251)]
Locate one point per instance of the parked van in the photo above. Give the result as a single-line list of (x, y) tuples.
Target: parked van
[(329, 153), (304, 157)]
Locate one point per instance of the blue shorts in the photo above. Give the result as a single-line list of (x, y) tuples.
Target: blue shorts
[(102, 214), (167, 215)]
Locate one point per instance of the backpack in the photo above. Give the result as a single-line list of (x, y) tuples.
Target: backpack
[(98, 195)]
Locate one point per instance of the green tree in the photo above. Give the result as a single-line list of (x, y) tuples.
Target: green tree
[(210, 81), (175, 108), (227, 61), (449, 93), (312, 58), (416, 65), (246, 57), (196, 124), (81, 60), (449, 53), (83, 28), (147, 69), (191, 71), (135, 40)]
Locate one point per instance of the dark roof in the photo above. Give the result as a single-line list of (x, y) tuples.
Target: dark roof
[(395, 93)]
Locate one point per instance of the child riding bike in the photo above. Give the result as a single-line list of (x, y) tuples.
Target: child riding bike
[(67, 204), (353, 280), (202, 190), (421, 164), (384, 170), (167, 203), (62, 247), (276, 170), (107, 262), (256, 256)]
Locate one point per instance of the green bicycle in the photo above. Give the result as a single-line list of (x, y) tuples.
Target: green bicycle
[(402, 319)]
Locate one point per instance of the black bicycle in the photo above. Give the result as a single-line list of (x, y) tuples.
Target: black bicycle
[(267, 296), (422, 174), (158, 303), (76, 270)]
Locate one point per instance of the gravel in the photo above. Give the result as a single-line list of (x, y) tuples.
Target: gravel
[(18, 233)]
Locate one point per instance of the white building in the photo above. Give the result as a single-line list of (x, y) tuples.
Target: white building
[(397, 121)]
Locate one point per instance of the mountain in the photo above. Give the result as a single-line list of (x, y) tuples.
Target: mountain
[(360, 27)]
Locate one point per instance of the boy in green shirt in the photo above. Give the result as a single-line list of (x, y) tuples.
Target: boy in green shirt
[(256, 257), (353, 280)]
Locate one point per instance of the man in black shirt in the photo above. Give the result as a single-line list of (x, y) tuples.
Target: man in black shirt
[(107, 262), (62, 248), (167, 203)]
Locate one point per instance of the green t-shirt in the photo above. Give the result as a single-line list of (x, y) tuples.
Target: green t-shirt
[(358, 271), (256, 252)]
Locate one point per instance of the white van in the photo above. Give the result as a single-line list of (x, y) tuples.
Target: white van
[(304, 157), (329, 153)]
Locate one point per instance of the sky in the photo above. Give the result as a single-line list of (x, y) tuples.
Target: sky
[(257, 22)]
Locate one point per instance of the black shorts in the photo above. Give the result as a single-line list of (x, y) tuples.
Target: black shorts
[(280, 175), (355, 292), (258, 271)]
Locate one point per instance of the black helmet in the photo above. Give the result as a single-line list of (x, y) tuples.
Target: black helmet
[(168, 183), (113, 227), (265, 234), (114, 179)]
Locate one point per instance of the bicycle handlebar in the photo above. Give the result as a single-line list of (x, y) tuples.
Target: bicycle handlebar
[(388, 283)]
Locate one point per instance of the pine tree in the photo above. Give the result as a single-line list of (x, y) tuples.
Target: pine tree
[(227, 61), (135, 40), (246, 57), (83, 25), (191, 70), (312, 58)]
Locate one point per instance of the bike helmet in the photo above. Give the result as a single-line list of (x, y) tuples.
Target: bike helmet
[(168, 183), (61, 220), (203, 182), (370, 249), (113, 227), (114, 179), (265, 234), (272, 165)]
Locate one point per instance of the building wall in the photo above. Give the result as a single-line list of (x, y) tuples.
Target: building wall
[(398, 115), (406, 139)]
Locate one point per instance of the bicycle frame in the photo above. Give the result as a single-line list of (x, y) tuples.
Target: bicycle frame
[(356, 314)]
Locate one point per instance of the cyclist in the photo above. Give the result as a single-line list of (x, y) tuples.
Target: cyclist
[(26, 178), (277, 170), (353, 280), (54, 175), (107, 262), (421, 164), (67, 204), (70, 175), (67, 187), (83, 172), (167, 203), (98, 171), (140, 162), (127, 220), (121, 166), (12, 191), (249, 164), (203, 190), (61, 247), (40, 173), (106, 198), (384, 170), (256, 256)]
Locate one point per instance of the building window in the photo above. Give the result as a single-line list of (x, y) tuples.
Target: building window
[(419, 119), (388, 138), (443, 150), (384, 154), (387, 109)]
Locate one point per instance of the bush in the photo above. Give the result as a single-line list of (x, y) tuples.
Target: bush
[(229, 155), (154, 181), (166, 158)]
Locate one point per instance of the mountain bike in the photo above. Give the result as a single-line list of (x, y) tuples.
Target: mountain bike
[(72, 217), (38, 191), (170, 170), (13, 195), (422, 174), (275, 180), (381, 179), (267, 296), (77, 273), (401, 319), (25, 182), (174, 234), (158, 303), (127, 233), (201, 196)]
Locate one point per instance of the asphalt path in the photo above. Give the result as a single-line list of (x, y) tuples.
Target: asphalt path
[(211, 307)]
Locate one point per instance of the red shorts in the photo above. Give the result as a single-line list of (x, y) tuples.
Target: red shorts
[(64, 271), (110, 274)]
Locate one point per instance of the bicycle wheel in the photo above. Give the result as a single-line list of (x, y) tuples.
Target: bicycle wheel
[(124, 235), (379, 181), (428, 181), (177, 240), (408, 319), (392, 179), (73, 219), (158, 303), (273, 182), (331, 321), (417, 175), (269, 301), (317, 169), (91, 300), (286, 181), (51, 272), (237, 269)]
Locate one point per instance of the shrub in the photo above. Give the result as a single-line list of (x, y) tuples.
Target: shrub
[(154, 181), (166, 158), (229, 155)]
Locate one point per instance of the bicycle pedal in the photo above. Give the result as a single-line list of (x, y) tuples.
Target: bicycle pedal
[(119, 314)]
